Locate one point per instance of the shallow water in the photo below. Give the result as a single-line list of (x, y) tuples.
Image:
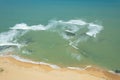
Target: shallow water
[(66, 33)]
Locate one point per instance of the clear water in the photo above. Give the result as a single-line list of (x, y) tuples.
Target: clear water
[(50, 46)]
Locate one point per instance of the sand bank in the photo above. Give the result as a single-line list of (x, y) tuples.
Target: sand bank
[(12, 69)]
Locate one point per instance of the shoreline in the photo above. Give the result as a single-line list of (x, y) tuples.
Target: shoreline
[(15, 70)]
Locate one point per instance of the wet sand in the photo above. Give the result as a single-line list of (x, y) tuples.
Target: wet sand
[(12, 69)]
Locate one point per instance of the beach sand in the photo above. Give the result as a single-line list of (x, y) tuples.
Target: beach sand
[(12, 69)]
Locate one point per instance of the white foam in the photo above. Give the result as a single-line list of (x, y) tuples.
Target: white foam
[(78, 68), (71, 25), (51, 65), (11, 44), (73, 22), (8, 36), (59, 26), (24, 26), (75, 68), (94, 29), (89, 66), (69, 31), (43, 63), (29, 61)]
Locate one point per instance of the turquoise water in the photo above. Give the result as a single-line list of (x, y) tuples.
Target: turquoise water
[(50, 45)]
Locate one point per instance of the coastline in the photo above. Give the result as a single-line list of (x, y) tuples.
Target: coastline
[(12, 69)]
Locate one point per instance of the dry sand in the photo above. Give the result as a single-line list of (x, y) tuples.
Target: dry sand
[(12, 69)]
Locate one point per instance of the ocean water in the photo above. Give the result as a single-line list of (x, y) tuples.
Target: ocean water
[(62, 32)]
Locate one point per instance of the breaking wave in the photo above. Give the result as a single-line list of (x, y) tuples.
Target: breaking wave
[(93, 29), (74, 31), (9, 39), (24, 26)]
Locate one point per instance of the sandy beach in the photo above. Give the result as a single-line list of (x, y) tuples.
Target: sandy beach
[(12, 69)]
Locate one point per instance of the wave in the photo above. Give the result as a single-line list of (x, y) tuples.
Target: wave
[(24, 26), (71, 26), (33, 62), (8, 39), (56, 67), (8, 36), (11, 44), (74, 31), (53, 66), (43, 63), (94, 29)]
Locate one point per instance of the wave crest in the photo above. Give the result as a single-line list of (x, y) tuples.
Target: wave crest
[(24, 26), (73, 31)]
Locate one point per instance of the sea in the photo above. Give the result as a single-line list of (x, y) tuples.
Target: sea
[(66, 33)]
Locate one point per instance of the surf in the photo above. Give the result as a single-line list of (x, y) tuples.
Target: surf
[(72, 31)]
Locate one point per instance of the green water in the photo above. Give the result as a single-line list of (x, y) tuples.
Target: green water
[(104, 50)]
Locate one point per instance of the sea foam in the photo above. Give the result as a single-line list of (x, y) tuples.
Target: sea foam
[(33, 62), (93, 29), (9, 38), (24, 26), (69, 30)]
